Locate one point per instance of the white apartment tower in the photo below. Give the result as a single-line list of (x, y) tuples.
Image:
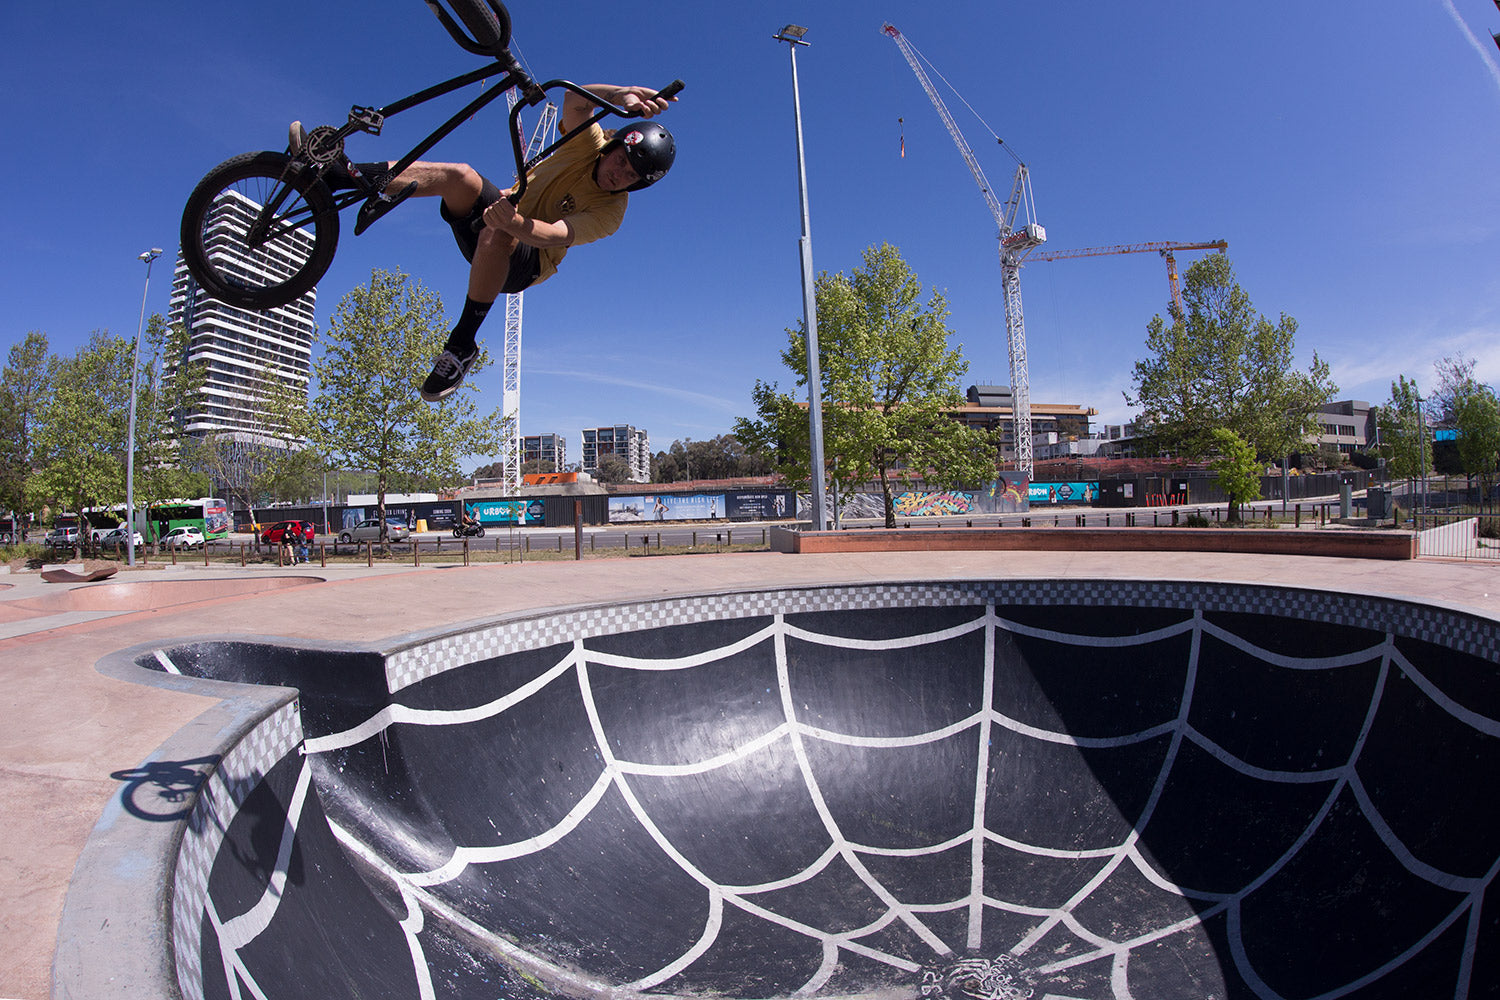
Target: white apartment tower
[(632, 445), (247, 353)]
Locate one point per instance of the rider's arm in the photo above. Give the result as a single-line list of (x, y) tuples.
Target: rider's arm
[(642, 100), (502, 215)]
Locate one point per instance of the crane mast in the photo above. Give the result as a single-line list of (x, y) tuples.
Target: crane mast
[(1166, 249), (510, 380), (1015, 243)]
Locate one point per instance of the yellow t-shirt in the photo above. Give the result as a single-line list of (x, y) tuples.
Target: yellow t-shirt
[(562, 186)]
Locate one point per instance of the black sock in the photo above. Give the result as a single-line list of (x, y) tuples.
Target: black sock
[(462, 341)]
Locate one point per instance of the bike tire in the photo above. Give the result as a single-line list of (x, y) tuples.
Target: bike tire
[(216, 219), (487, 20)]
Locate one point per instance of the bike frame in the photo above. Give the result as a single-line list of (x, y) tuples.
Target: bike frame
[(371, 120)]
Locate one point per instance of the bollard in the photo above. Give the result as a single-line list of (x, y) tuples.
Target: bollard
[(323, 554), (416, 553), (369, 553), (242, 554), (1297, 517), (466, 549)]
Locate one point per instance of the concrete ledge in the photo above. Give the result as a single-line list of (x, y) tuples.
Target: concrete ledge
[(1284, 541)]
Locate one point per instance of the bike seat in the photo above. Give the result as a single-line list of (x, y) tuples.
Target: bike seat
[(487, 23)]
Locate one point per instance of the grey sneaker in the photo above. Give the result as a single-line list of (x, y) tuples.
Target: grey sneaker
[(448, 373)]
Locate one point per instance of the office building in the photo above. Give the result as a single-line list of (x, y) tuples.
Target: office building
[(249, 356), (632, 445)]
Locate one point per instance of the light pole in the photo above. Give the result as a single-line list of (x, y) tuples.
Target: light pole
[(792, 35), (135, 366)]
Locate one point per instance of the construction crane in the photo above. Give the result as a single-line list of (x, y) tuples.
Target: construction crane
[(1167, 250), (510, 380), (1018, 234)]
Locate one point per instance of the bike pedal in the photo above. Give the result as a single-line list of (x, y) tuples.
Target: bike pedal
[(378, 205)]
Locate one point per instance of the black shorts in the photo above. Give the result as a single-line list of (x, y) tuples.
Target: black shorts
[(525, 264)]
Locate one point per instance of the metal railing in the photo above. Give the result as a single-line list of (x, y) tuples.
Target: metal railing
[(1450, 535)]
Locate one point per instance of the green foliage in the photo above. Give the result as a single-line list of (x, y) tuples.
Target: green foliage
[(1224, 365), (889, 380), (1236, 469), (1403, 431), (24, 387), (79, 443), (721, 457), (369, 414), (1195, 521), (1476, 417)]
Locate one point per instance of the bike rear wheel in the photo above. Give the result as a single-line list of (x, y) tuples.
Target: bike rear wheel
[(257, 234)]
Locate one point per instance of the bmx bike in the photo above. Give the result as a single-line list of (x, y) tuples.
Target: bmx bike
[(260, 229)]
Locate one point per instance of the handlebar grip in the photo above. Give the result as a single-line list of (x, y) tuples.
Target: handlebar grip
[(671, 90)]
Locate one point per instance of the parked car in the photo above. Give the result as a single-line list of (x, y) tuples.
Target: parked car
[(369, 530), (274, 534), (61, 538), (183, 537), (115, 538)]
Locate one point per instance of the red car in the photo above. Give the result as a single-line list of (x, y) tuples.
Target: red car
[(274, 534)]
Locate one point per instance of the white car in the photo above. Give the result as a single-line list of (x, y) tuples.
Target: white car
[(115, 538), (369, 530), (184, 537)]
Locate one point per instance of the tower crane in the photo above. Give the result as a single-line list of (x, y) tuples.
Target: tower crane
[(510, 381), (1018, 234), (1165, 249)]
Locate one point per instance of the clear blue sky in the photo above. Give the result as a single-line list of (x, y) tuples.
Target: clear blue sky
[(1349, 153)]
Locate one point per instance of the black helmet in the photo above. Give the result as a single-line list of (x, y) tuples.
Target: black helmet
[(650, 149)]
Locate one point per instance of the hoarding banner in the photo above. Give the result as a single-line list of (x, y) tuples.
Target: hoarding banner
[(1052, 494), (667, 507)]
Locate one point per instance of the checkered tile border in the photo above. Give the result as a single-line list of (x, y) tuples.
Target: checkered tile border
[(219, 799), (1448, 628)]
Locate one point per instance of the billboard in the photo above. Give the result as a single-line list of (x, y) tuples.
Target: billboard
[(1063, 494), (667, 507)]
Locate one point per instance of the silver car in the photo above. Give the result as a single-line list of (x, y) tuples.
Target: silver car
[(368, 530)]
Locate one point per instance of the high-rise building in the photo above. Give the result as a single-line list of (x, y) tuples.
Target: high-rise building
[(623, 440), (545, 448), (249, 355)]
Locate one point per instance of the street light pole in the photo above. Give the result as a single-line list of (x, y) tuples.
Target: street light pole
[(135, 366), (792, 35)]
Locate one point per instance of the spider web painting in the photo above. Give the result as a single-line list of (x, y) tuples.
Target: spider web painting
[(983, 799)]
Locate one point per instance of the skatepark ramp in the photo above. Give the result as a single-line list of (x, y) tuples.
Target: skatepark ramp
[(1066, 789)]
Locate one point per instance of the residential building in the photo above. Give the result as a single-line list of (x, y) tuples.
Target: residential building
[(545, 448), (630, 444), (250, 355)]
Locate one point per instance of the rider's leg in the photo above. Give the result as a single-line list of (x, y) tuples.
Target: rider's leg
[(458, 184)]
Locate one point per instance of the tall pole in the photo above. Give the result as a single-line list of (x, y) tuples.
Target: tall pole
[(135, 366), (792, 35)]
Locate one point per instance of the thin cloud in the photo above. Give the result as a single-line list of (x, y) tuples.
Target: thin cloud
[(686, 395), (1486, 54)]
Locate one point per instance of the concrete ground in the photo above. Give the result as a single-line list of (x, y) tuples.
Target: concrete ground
[(67, 728)]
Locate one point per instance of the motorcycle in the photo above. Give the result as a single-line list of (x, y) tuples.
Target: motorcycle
[(471, 529)]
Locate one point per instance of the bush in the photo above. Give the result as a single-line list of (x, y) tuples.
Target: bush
[(1489, 527), (1195, 521)]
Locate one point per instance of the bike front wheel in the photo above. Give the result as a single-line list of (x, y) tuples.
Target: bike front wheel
[(257, 233)]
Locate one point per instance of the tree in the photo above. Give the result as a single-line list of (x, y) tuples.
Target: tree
[(80, 437), (1224, 365), (368, 413), (889, 384), (613, 469), (721, 457), (24, 388), (1476, 418), (1237, 470), (1403, 431)]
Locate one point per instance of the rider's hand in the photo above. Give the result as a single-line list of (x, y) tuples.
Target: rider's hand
[(642, 101), (502, 216)]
